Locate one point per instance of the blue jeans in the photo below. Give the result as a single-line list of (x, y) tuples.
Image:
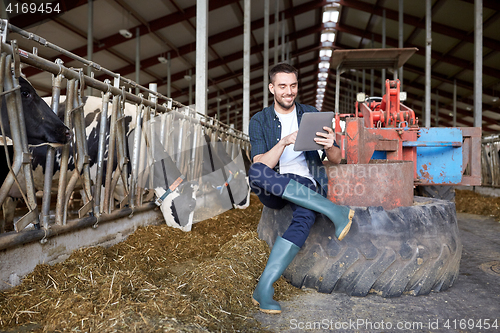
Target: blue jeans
[(269, 187)]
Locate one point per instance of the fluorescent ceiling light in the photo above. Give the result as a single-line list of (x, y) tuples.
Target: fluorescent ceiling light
[(325, 53), (125, 33), (328, 37), (324, 64), (330, 16)]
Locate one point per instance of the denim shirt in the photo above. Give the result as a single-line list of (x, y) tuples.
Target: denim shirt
[(265, 132)]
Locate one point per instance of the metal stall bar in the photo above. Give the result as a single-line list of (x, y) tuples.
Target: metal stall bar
[(135, 156), (63, 171), (21, 158), (121, 170), (108, 194), (51, 152), (32, 215), (98, 208), (82, 157)]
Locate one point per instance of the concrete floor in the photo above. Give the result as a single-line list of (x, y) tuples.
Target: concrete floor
[(473, 300)]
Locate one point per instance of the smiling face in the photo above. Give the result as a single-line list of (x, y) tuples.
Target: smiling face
[(284, 88)]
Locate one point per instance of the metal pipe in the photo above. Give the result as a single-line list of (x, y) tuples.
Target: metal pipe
[(100, 154), (455, 103), (400, 42), (337, 89), (135, 156), (169, 75), (265, 97), (276, 31), (79, 150), (218, 105), (29, 236), (364, 80), (12, 112), (15, 167), (111, 156), (51, 152), (137, 57), (282, 37), (246, 66), (87, 187), (190, 87), (26, 160), (428, 50), (121, 155), (142, 156), (53, 68), (437, 109), (478, 63), (63, 168), (372, 74), (97, 67), (383, 46), (201, 71), (90, 38)]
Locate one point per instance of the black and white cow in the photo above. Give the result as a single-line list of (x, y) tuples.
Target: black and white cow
[(42, 126), (177, 207), (182, 199)]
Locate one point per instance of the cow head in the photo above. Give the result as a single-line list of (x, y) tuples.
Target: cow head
[(42, 124), (178, 207)]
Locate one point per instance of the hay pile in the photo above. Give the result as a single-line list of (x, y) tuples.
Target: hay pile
[(159, 280), (474, 203)]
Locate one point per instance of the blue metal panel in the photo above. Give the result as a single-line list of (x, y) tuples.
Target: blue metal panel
[(379, 155), (440, 165)]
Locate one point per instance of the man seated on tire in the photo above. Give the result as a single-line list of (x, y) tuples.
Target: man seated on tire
[(280, 176)]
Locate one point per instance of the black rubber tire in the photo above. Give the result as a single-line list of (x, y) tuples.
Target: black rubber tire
[(408, 250), (443, 192)]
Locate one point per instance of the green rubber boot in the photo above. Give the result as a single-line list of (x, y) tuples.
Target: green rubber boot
[(281, 256), (341, 216)]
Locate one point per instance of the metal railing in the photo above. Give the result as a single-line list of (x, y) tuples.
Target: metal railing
[(97, 203), (490, 160)]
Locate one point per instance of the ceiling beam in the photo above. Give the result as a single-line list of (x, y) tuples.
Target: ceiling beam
[(487, 70), (157, 24), (417, 22)]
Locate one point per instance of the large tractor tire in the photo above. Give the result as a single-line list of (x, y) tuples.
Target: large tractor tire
[(408, 250), (443, 192)]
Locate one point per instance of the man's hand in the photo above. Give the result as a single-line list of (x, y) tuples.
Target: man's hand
[(325, 139), (272, 157), (289, 139)]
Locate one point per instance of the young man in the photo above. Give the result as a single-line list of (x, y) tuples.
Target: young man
[(280, 176)]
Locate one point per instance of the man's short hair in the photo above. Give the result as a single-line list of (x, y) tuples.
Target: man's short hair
[(282, 67)]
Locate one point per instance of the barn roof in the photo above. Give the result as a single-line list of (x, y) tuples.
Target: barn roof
[(169, 27)]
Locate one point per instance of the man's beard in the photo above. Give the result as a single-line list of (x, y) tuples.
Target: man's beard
[(286, 107)]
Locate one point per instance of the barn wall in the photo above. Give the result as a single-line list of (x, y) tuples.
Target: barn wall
[(16, 262)]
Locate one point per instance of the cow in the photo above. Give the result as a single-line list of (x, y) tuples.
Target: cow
[(177, 207), (182, 200), (42, 124), (42, 127)]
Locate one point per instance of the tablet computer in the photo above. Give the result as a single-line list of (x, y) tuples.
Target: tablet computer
[(311, 123)]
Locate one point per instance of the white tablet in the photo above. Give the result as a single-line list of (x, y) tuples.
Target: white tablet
[(311, 123)]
